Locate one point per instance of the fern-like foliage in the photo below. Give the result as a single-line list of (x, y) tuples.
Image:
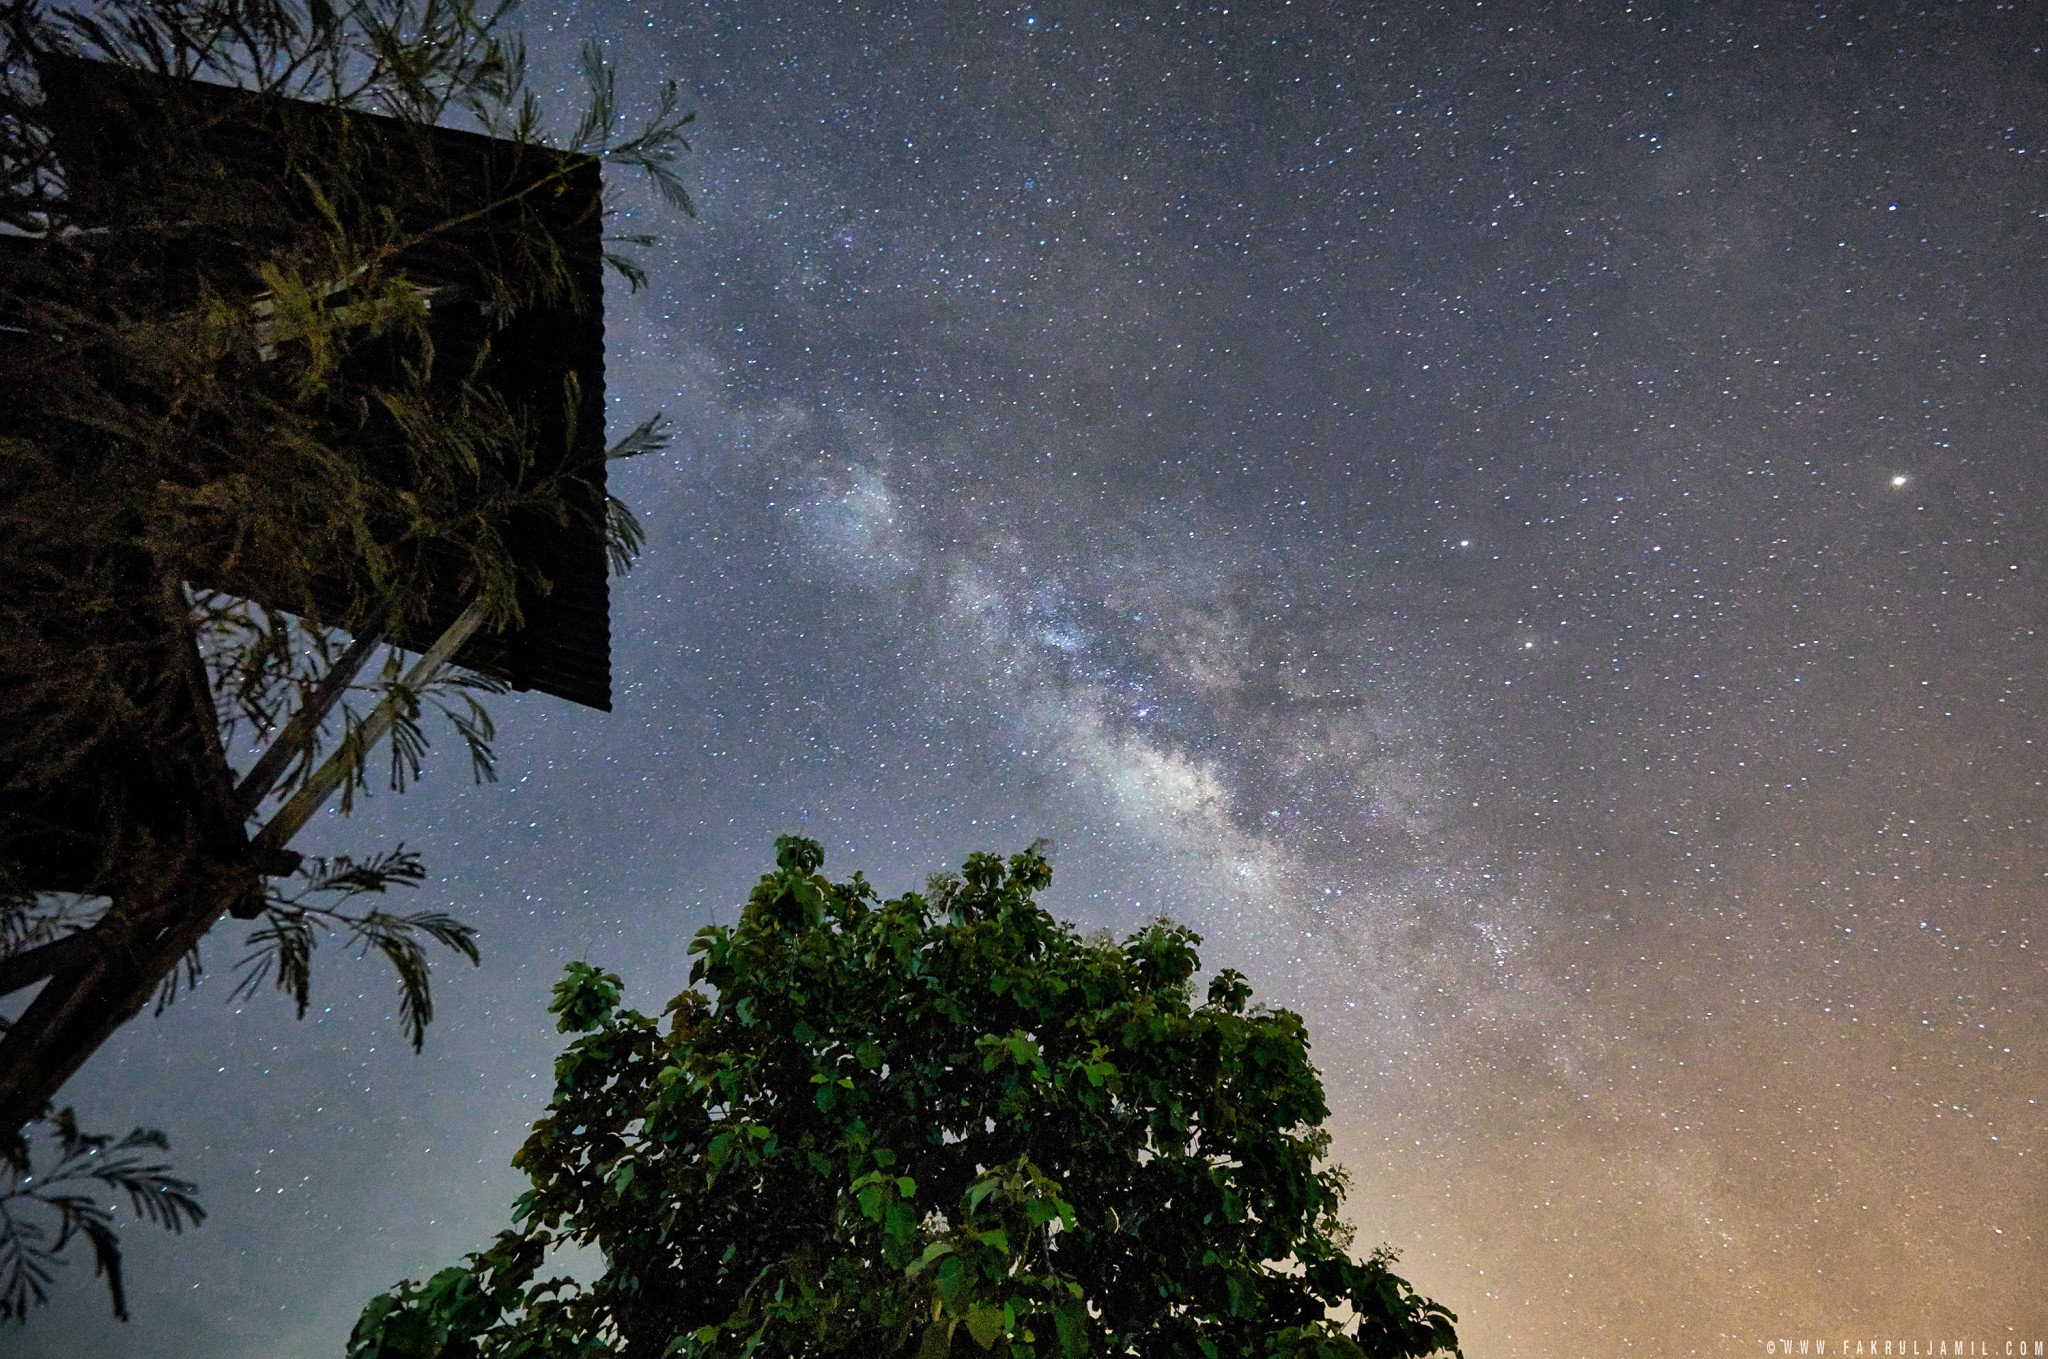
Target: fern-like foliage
[(281, 948), (623, 536), (45, 1211)]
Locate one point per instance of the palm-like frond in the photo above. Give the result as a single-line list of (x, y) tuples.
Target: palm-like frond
[(43, 1211), (280, 950)]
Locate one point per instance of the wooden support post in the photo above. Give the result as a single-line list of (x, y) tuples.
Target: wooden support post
[(298, 733), (313, 794), (26, 968), (145, 937)]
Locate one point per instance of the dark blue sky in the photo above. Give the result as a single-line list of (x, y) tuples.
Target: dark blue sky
[(1522, 523)]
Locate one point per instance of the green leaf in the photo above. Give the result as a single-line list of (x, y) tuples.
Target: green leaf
[(937, 1340), (986, 1324), (1070, 1327), (932, 1252)]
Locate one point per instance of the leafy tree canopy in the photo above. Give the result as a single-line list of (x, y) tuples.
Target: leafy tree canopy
[(942, 1124)]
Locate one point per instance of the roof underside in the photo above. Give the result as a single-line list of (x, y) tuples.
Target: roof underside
[(156, 783), (102, 118)]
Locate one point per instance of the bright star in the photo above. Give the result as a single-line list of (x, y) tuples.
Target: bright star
[(1899, 480)]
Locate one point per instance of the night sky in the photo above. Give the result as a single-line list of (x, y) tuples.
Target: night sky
[(1521, 523)]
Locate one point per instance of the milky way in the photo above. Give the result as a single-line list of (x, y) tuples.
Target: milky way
[(1522, 524)]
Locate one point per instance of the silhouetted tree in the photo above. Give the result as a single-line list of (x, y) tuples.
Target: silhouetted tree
[(227, 370)]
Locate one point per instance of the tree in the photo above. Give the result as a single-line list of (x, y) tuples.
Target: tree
[(256, 344), (945, 1123)]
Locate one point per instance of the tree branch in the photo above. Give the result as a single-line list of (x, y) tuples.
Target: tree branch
[(30, 966)]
